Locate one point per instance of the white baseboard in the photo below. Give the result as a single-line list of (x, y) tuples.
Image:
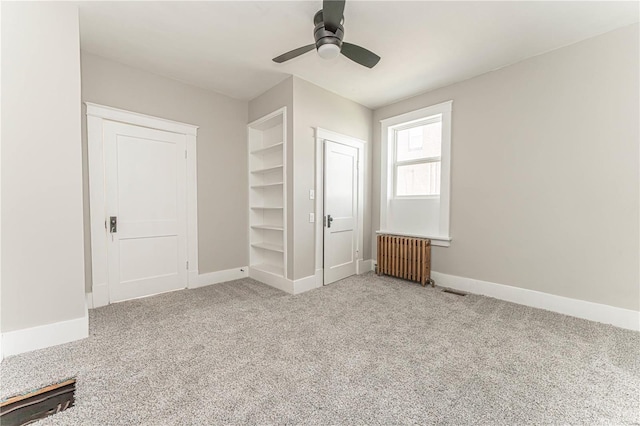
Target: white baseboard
[(220, 276), (365, 266), (44, 336), (288, 286), (620, 317), (273, 280), (305, 284), (100, 294)]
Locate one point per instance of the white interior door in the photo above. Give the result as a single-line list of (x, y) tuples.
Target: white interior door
[(145, 183), (340, 211)]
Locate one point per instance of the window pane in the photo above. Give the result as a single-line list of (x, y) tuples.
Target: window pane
[(418, 179), (419, 142)]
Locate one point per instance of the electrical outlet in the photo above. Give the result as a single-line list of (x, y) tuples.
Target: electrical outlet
[(312, 217)]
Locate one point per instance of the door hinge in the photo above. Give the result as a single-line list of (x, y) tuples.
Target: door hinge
[(187, 265), (185, 153)]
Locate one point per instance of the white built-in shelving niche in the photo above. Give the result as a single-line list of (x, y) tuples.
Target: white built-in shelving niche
[(267, 193)]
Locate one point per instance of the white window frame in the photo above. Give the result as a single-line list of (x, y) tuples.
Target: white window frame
[(387, 167), (425, 160)]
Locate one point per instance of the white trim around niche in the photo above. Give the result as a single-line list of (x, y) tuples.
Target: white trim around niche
[(96, 116)]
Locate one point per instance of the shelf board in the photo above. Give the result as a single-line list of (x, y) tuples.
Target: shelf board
[(270, 247), (267, 148), (268, 227), (267, 185), (265, 208), (270, 123), (266, 170), (272, 269)]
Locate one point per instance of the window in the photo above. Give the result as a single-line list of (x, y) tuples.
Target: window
[(417, 152), (415, 173)]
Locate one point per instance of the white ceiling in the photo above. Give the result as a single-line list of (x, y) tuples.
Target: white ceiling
[(227, 46)]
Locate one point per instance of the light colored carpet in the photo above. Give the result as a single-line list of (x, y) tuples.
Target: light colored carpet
[(367, 350)]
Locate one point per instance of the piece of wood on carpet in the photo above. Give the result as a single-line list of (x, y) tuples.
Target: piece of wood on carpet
[(35, 405)]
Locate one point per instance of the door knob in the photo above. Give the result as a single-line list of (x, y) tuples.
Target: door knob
[(329, 220), (113, 224)]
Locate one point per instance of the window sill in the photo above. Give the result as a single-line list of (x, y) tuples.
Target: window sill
[(415, 197), (435, 241)]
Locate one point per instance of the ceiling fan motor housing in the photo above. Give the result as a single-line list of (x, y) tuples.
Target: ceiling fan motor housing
[(323, 36), (328, 35)]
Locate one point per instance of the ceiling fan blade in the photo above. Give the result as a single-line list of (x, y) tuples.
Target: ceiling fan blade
[(332, 12), (294, 53), (360, 55)]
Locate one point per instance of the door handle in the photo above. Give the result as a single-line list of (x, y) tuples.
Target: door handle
[(329, 220), (113, 224)]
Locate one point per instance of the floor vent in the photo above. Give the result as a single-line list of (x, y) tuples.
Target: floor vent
[(457, 293), (35, 405)]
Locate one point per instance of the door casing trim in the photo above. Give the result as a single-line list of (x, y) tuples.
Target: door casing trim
[(96, 116), (320, 136)]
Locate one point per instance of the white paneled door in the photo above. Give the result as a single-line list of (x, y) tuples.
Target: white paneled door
[(145, 184), (340, 211)]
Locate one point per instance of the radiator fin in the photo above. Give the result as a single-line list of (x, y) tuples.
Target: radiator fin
[(405, 257)]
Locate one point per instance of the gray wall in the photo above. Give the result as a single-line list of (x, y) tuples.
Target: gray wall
[(317, 107), (222, 151), (42, 245), (545, 165)]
